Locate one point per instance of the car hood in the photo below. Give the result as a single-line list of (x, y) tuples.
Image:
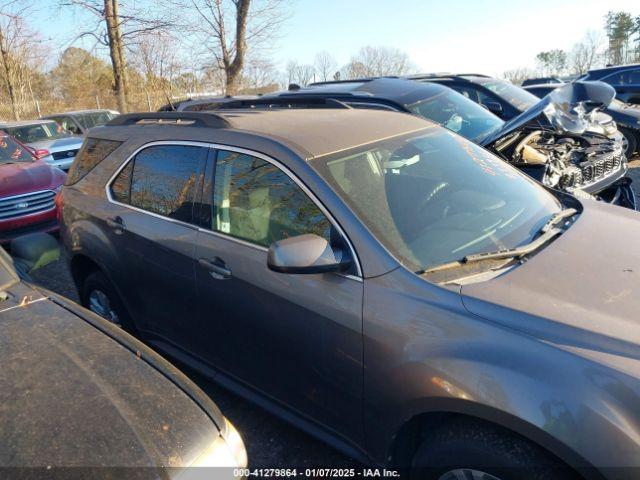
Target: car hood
[(568, 109), (24, 177), (582, 289), (57, 144), (72, 395)]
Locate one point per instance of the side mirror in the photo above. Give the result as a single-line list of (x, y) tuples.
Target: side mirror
[(33, 251), (306, 254), (493, 107)]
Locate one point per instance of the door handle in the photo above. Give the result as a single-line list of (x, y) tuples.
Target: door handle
[(217, 268), (116, 223)]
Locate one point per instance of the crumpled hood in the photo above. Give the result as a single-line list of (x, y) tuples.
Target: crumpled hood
[(24, 177), (558, 108), (582, 289), (55, 145)]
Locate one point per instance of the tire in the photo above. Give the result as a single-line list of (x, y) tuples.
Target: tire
[(99, 296), (631, 141), (468, 450)]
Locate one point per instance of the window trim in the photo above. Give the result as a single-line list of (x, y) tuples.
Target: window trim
[(217, 146)]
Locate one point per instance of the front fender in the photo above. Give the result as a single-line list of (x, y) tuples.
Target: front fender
[(424, 353)]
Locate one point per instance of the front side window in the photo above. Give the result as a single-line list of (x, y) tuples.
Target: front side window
[(628, 77), (162, 179), (254, 200), (459, 114), (37, 132), (432, 197)]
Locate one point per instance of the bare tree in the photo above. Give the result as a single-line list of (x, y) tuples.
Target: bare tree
[(119, 30), (585, 54), (325, 65), (230, 29), (518, 75), (21, 50), (378, 61), (260, 74)]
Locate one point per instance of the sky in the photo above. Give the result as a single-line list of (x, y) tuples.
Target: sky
[(489, 36)]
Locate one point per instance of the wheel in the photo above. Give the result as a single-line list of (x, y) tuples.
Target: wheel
[(629, 142), (99, 296), (466, 450)]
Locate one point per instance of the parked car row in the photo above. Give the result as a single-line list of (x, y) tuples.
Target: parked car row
[(33, 157), (562, 146), (382, 262)]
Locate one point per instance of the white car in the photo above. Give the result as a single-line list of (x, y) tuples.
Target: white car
[(50, 141)]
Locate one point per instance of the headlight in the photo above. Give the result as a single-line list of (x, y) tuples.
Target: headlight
[(226, 451)]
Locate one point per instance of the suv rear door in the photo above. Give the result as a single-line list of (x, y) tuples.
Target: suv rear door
[(297, 338), (150, 224)]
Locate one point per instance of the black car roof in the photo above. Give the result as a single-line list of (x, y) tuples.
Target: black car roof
[(398, 90), (603, 72)]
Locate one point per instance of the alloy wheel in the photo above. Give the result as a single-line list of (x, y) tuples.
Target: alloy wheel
[(99, 304)]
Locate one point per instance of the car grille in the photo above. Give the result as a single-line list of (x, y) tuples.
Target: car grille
[(64, 154), (28, 204), (591, 171)]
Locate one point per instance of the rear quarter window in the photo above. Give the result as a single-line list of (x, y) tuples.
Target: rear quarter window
[(92, 152)]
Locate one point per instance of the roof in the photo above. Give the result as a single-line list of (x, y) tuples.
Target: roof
[(24, 123), (616, 68), (399, 90), (309, 132)]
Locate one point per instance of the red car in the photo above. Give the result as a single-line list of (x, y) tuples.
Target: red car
[(28, 190)]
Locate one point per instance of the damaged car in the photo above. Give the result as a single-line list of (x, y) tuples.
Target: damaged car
[(550, 141)]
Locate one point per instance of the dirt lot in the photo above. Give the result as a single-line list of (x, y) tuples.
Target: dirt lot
[(270, 442)]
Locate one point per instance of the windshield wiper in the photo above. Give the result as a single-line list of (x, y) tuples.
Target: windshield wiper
[(548, 232)]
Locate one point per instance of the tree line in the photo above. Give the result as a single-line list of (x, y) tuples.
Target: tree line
[(153, 51), (617, 44)]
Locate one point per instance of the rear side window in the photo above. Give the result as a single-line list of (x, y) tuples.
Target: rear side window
[(162, 179), (92, 152)]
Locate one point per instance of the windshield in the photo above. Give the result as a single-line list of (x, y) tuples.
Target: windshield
[(459, 114), (432, 197), (94, 119), (516, 96), (37, 132), (12, 152)]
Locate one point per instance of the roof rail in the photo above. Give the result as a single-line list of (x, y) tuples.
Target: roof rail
[(197, 119), (283, 101), (351, 80)]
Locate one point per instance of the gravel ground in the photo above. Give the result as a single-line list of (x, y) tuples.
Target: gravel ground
[(270, 442)]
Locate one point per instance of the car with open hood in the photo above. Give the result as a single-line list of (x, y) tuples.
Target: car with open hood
[(80, 398), (49, 141), (625, 115), (28, 190), (561, 152), (374, 278)]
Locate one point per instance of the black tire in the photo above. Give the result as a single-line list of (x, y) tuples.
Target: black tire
[(96, 282), (632, 142), (479, 447)]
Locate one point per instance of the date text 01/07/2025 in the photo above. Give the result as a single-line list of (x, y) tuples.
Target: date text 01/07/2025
[(316, 473)]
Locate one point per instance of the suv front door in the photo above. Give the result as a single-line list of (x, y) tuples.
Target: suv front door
[(297, 338)]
